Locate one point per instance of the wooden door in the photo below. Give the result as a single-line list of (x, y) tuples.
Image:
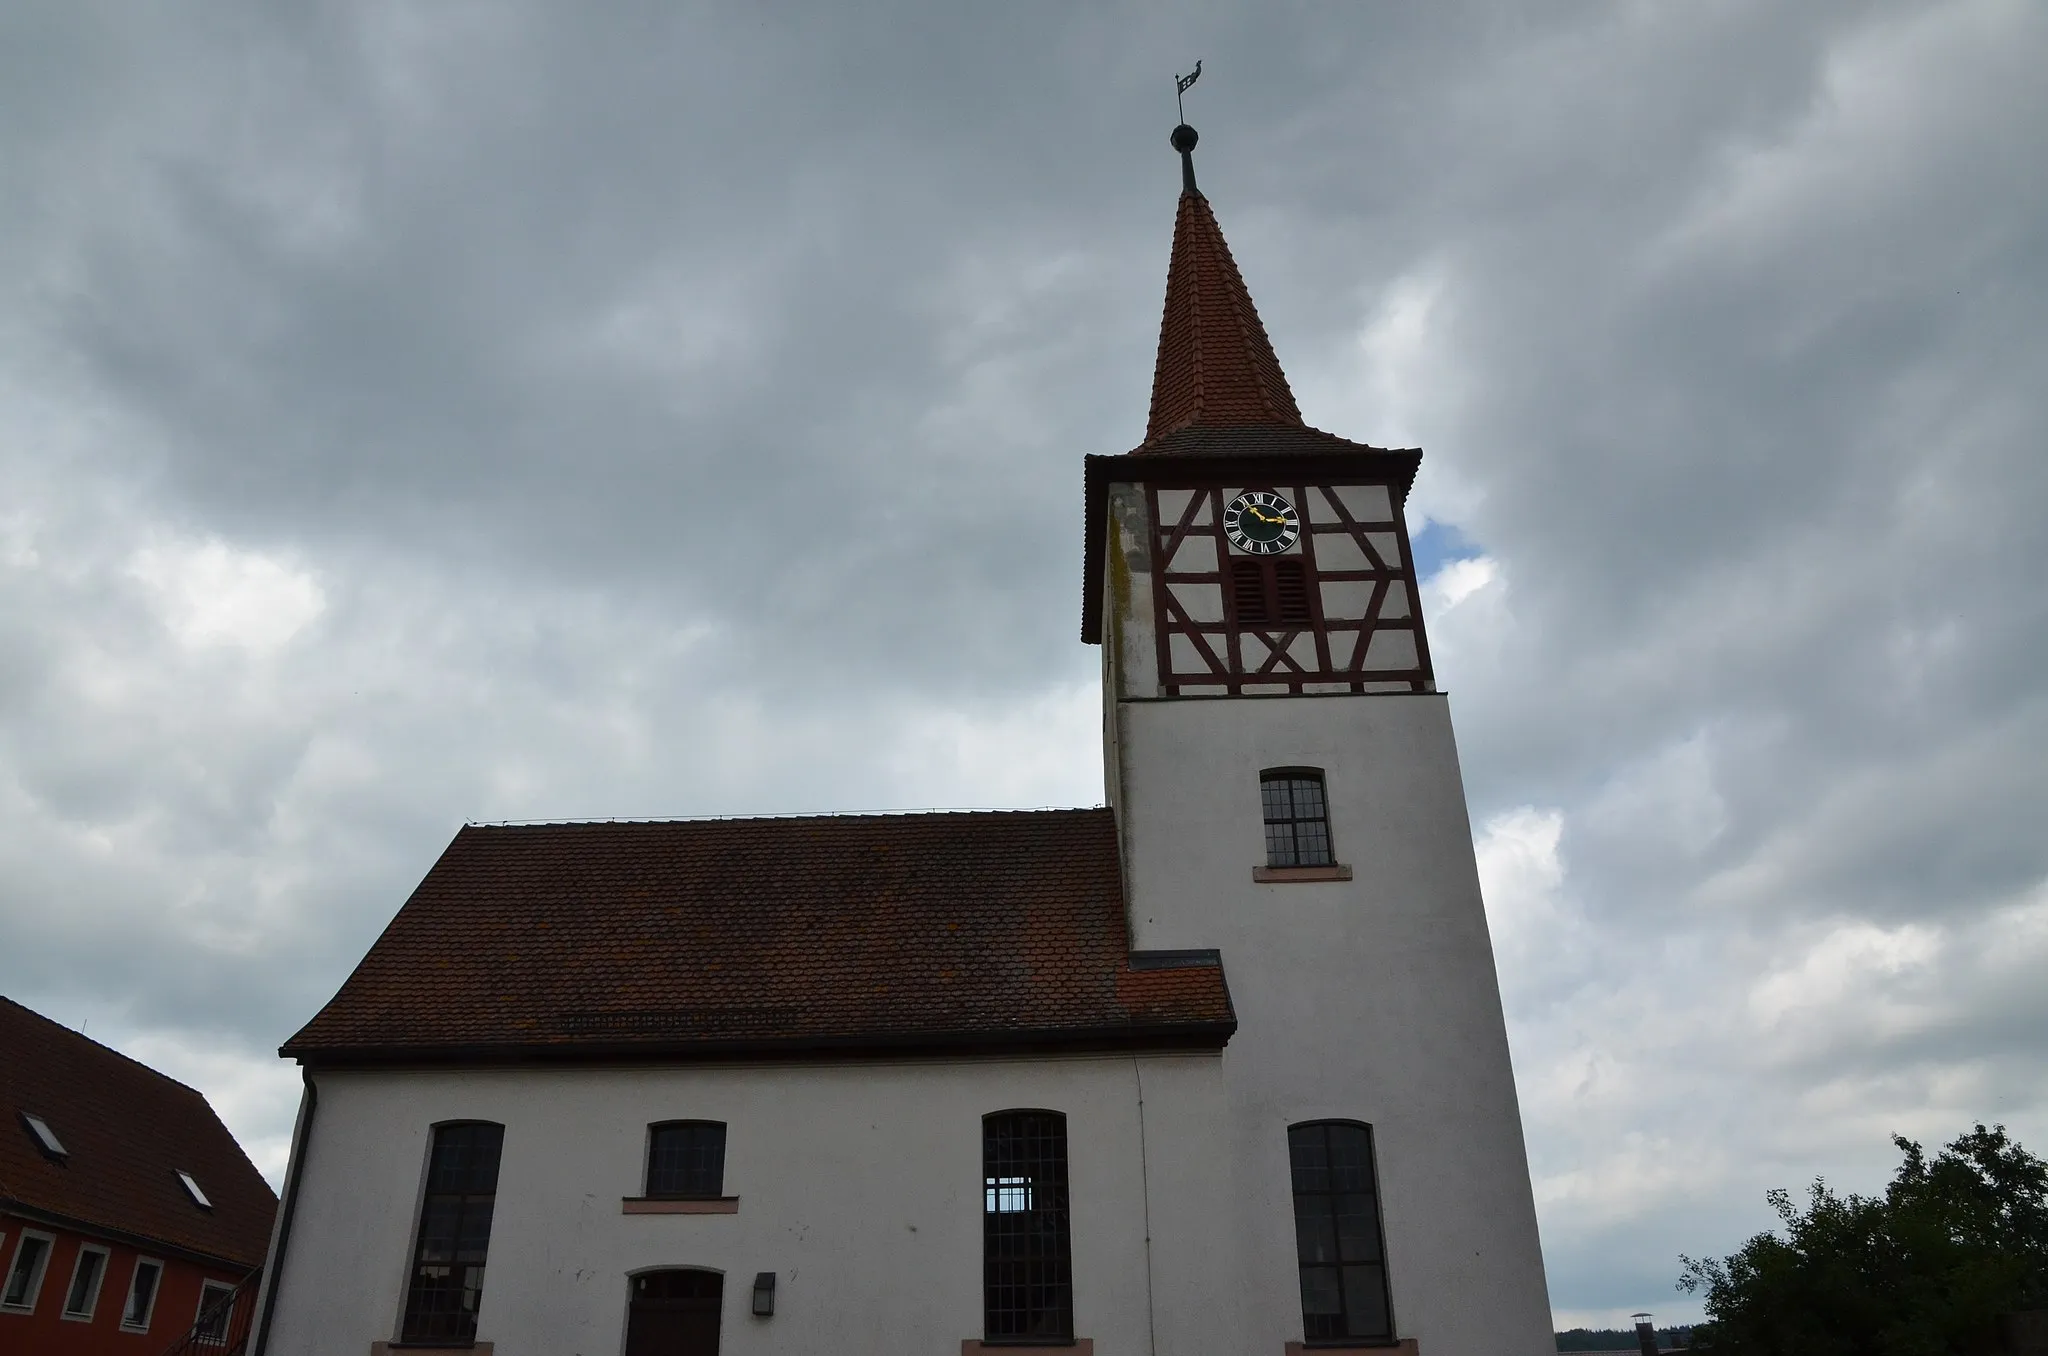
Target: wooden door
[(674, 1313)]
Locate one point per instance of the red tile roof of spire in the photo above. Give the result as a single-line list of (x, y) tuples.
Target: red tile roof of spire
[(1216, 366)]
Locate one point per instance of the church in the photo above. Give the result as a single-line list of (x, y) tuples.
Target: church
[(1217, 1067)]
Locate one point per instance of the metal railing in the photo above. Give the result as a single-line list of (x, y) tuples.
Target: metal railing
[(222, 1328)]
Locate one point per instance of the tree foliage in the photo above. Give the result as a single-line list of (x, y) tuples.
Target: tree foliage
[(1919, 1271)]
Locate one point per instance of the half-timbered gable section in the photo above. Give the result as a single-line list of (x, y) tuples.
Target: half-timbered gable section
[(1334, 612)]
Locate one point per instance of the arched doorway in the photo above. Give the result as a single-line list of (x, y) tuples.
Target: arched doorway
[(674, 1313)]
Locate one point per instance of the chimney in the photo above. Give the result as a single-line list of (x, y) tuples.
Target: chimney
[(1646, 1335)]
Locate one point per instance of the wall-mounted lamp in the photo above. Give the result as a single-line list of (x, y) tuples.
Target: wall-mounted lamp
[(764, 1294)]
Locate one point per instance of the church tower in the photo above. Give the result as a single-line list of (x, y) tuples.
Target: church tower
[(1287, 794)]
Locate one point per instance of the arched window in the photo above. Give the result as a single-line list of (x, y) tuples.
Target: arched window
[(1338, 1243), (455, 1232), (1027, 1251), (1297, 817), (686, 1159)]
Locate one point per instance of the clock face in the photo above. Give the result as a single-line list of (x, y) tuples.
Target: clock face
[(1261, 523)]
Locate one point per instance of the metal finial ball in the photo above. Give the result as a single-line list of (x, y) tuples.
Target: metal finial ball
[(1184, 138)]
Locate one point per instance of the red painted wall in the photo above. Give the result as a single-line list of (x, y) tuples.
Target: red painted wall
[(45, 1332)]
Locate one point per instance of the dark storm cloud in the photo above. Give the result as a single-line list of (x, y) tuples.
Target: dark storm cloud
[(418, 413)]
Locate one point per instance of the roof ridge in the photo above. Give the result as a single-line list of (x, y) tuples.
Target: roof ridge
[(959, 812), (102, 1045)]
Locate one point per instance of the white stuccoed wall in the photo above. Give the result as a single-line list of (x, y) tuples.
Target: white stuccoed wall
[(860, 1185), (1373, 999)]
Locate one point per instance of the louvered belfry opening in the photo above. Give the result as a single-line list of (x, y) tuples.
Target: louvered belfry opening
[(1270, 592)]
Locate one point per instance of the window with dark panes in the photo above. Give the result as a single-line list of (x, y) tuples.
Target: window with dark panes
[(86, 1273), (1297, 817), (25, 1277), (686, 1159), (216, 1307), (455, 1233), (1338, 1243), (141, 1295), (1027, 1249)]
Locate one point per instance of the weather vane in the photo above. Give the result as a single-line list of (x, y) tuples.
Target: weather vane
[(1180, 88)]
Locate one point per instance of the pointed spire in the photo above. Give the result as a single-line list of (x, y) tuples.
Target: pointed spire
[(1216, 366)]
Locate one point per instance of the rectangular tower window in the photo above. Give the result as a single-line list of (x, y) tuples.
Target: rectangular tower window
[(1027, 1249), (686, 1159), (1337, 1232), (455, 1233), (1297, 817)]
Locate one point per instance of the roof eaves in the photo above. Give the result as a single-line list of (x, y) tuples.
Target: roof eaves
[(1134, 1035)]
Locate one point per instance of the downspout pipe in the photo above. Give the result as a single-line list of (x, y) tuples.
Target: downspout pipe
[(275, 1271)]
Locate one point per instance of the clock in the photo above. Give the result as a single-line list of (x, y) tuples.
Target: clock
[(1261, 523)]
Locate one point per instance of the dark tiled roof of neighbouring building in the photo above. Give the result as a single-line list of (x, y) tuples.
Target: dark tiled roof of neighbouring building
[(127, 1131), (765, 937)]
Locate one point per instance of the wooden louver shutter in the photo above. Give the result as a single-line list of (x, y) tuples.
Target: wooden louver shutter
[(1248, 588), (1270, 592), (1290, 588)]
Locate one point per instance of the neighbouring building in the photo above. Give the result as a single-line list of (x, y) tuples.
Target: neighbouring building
[(127, 1210), (1217, 1068)]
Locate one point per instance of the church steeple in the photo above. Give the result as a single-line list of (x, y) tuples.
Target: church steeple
[(1216, 366)]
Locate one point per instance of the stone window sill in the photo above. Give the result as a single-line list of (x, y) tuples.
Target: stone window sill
[(432, 1348), (1080, 1346), (1402, 1347), (1281, 875), (670, 1205)]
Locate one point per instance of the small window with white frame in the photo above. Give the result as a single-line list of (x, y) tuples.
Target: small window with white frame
[(142, 1288), (25, 1272), (216, 1307), (83, 1295)]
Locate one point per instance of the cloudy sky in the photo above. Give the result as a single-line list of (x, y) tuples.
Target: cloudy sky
[(420, 413)]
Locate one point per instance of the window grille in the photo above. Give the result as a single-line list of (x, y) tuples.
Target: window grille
[(455, 1233), (1270, 592), (1338, 1242), (686, 1159), (1027, 1249), (1297, 817), (216, 1307)]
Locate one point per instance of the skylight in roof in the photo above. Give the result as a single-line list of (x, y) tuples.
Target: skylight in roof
[(192, 1189), (46, 1138)]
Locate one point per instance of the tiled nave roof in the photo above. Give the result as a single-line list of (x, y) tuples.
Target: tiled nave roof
[(765, 936)]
